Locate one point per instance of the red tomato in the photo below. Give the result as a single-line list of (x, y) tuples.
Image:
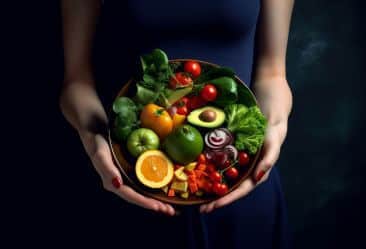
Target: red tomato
[(215, 176), (201, 158), (208, 92), (210, 168), (184, 101), (227, 164), (232, 173), (220, 188), (207, 187), (183, 110), (243, 158), (196, 102), (192, 67), (181, 106), (181, 79)]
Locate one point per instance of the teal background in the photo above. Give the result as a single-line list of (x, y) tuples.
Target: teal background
[(322, 162)]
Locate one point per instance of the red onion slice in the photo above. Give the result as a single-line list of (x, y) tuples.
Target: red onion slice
[(218, 138), (232, 151)]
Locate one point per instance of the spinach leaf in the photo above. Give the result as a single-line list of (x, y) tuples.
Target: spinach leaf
[(155, 78), (145, 95), (126, 118), (123, 105)]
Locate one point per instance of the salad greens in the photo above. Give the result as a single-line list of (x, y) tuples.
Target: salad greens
[(156, 75), (248, 124), (126, 117)]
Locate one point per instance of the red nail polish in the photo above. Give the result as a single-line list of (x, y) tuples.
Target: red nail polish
[(117, 182), (259, 175)]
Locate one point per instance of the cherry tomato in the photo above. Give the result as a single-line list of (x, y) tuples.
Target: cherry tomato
[(183, 110), (201, 158), (207, 187), (192, 67), (184, 101), (220, 188), (209, 92), (196, 102), (243, 158), (210, 168), (220, 159), (227, 164), (215, 176), (181, 106), (232, 173), (181, 79)]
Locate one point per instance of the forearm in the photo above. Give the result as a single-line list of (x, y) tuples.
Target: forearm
[(275, 100), (79, 101), (82, 107), (274, 97), (270, 84)]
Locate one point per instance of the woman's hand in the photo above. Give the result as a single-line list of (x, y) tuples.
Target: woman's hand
[(275, 135), (100, 155)]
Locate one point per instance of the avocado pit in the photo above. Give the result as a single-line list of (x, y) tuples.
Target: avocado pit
[(208, 115)]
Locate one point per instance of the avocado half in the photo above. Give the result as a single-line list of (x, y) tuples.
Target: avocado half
[(195, 117)]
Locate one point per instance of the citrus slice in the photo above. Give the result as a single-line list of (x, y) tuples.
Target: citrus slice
[(180, 175), (154, 169)]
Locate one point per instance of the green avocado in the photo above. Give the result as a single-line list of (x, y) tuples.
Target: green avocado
[(208, 117)]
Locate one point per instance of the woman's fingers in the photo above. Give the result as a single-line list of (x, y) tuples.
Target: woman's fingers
[(112, 181), (244, 188), (270, 153), (133, 197)]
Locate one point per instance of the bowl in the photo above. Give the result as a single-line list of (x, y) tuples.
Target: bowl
[(125, 162)]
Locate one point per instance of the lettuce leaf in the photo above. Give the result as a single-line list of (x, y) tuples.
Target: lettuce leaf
[(248, 125)]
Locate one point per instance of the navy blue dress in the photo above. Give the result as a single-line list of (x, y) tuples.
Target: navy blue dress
[(218, 31)]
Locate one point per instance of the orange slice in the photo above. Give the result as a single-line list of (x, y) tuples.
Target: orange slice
[(154, 169)]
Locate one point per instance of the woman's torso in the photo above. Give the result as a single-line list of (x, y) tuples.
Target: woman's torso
[(218, 31)]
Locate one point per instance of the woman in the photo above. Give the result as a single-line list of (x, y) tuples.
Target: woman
[(233, 33)]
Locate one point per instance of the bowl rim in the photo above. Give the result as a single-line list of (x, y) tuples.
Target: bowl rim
[(175, 200)]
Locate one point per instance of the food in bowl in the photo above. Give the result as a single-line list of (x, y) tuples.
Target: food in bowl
[(190, 128)]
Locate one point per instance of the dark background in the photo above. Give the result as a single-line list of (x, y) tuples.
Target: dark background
[(322, 163)]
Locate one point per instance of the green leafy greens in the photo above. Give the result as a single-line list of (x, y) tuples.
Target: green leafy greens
[(126, 117), (248, 124), (156, 74)]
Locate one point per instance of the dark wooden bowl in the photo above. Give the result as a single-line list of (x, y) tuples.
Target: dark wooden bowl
[(126, 163)]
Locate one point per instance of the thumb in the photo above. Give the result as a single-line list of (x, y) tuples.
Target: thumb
[(270, 153)]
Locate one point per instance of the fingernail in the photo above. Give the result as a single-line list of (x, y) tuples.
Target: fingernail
[(117, 182), (259, 175)]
